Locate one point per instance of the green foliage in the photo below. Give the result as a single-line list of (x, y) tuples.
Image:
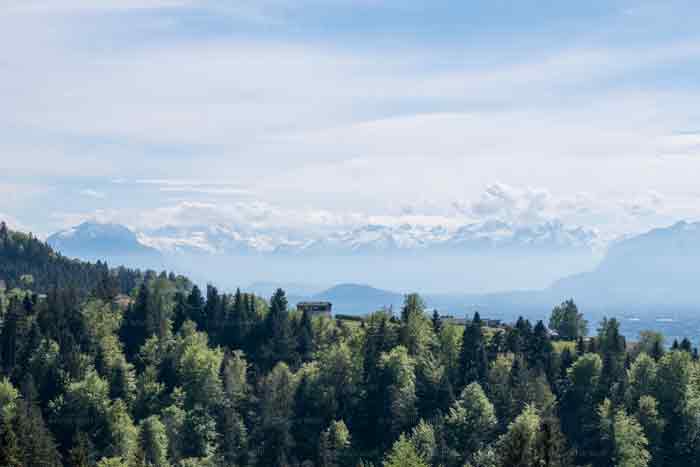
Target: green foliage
[(334, 450), (198, 368), (642, 379), (10, 454), (424, 440), (473, 358), (398, 369), (416, 333), (470, 422), (154, 442), (8, 400), (113, 367), (404, 454), (568, 321), (518, 446), (625, 434)]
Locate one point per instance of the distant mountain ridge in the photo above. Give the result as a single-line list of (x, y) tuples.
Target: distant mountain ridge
[(661, 266), (654, 270), (472, 257), (114, 243), (359, 298), (366, 239)]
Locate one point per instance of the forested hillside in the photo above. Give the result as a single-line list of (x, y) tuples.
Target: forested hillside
[(26, 261), (171, 375)]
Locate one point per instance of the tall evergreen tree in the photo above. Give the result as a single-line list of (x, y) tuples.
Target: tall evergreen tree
[(10, 453), (279, 345), (437, 322), (473, 359), (134, 330), (305, 338), (195, 308)]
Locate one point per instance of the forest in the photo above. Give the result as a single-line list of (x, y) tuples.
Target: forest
[(110, 367)]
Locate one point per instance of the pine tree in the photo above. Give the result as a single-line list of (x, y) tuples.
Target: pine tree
[(540, 356), (81, 454), (437, 322), (134, 329), (279, 345), (12, 336), (334, 446), (180, 314), (234, 437), (10, 454), (36, 441), (154, 442), (195, 308), (473, 359), (686, 345), (580, 346), (305, 338), (657, 350), (213, 313)]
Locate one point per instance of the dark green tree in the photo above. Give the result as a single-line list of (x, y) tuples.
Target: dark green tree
[(473, 360), (134, 330), (567, 321)]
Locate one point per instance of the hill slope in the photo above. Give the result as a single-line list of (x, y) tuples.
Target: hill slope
[(359, 299), (23, 255), (659, 267)]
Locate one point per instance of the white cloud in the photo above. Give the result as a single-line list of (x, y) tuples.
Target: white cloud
[(507, 203), (333, 135)]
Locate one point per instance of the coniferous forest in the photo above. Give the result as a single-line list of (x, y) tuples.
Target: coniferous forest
[(119, 367)]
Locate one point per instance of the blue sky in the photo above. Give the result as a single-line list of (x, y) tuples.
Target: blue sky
[(342, 111)]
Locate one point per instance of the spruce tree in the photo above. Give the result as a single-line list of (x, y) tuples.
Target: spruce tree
[(473, 359), (195, 308), (279, 345), (10, 453), (305, 338), (437, 322), (134, 330)]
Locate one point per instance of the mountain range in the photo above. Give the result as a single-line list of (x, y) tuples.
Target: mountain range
[(657, 269), (372, 239), (115, 243), (471, 257)]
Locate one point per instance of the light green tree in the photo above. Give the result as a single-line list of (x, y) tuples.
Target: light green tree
[(423, 439), (416, 333), (335, 445), (8, 400), (199, 369), (123, 434), (567, 321), (642, 379), (470, 422), (154, 442), (404, 454), (625, 436), (399, 370), (518, 446), (235, 379)]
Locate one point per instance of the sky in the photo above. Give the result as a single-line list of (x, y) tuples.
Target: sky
[(319, 114)]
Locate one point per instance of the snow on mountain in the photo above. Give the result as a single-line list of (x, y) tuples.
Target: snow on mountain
[(372, 239), (93, 240), (212, 239), (552, 235)]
